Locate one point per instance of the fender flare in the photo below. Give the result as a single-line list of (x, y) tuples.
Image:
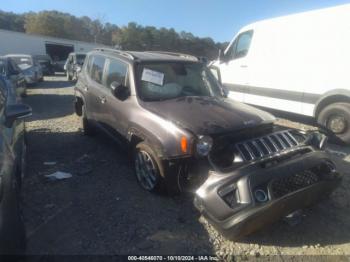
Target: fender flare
[(336, 95), (144, 135)]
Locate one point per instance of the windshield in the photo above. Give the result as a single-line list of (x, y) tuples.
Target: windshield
[(22, 60), (162, 81), (80, 59)]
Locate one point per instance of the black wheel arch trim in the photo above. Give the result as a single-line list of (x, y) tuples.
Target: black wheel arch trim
[(339, 95)]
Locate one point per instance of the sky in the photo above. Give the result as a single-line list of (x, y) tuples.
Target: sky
[(218, 19)]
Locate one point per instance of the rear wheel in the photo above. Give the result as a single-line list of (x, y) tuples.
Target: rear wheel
[(148, 168), (336, 117), (88, 128)]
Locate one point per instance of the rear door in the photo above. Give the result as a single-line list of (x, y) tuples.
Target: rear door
[(234, 68), (96, 97)]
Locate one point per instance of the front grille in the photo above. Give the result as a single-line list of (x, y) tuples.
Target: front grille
[(267, 145), (283, 186)]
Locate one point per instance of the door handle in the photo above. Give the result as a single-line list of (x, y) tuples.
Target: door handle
[(103, 100), (244, 66)]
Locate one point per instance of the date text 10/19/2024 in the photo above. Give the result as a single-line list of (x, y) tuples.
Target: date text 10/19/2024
[(172, 258)]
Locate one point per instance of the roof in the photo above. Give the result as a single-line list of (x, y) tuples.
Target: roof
[(149, 55)]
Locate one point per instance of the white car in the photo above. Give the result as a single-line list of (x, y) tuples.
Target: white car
[(298, 63)]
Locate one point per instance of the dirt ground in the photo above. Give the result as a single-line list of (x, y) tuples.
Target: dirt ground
[(102, 210)]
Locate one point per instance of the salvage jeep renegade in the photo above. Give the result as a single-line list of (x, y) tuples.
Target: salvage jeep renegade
[(182, 130)]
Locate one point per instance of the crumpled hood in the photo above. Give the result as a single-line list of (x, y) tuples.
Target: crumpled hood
[(209, 115)]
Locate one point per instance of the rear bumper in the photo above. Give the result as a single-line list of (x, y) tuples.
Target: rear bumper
[(247, 214)]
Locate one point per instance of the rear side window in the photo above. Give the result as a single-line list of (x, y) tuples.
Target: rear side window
[(96, 73), (117, 71), (240, 46)]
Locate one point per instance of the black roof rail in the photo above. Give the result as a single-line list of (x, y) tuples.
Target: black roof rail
[(175, 54), (120, 52)]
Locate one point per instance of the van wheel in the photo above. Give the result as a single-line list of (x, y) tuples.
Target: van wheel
[(88, 128), (149, 169), (336, 117)]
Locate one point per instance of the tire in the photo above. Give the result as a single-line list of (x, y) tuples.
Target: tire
[(88, 128), (149, 169), (336, 117)]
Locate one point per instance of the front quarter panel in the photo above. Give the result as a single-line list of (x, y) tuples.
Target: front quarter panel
[(163, 135)]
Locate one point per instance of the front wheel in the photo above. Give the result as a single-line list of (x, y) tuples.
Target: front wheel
[(336, 117), (149, 169)]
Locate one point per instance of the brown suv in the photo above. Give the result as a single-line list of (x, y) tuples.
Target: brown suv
[(182, 130)]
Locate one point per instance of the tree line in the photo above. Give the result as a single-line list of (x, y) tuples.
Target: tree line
[(129, 37)]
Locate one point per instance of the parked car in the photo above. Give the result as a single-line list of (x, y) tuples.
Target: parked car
[(13, 74), (297, 63), (58, 65), (181, 129), (30, 67), (73, 65), (12, 163), (46, 64)]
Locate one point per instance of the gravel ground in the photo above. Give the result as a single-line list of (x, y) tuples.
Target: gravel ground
[(102, 210)]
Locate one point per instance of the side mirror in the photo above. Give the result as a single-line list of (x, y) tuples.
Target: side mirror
[(119, 90), (16, 111), (78, 69)]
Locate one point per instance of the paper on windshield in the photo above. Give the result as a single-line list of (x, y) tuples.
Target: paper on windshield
[(151, 76), (24, 59)]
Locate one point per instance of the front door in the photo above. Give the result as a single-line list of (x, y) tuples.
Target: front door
[(234, 67), (113, 110)]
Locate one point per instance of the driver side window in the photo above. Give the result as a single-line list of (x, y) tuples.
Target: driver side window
[(240, 46)]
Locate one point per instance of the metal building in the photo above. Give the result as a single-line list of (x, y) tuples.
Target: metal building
[(57, 48)]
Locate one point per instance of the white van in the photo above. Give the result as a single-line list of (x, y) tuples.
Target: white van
[(298, 63)]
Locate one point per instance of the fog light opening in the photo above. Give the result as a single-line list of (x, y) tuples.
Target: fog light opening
[(260, 196)]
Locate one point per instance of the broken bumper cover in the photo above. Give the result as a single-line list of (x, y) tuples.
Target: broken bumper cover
[(245, 200)]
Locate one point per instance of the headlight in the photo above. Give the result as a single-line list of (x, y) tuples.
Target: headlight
[(317, 139), (204, 145)]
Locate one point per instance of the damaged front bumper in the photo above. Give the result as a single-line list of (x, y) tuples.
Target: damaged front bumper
[(240, 202)]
